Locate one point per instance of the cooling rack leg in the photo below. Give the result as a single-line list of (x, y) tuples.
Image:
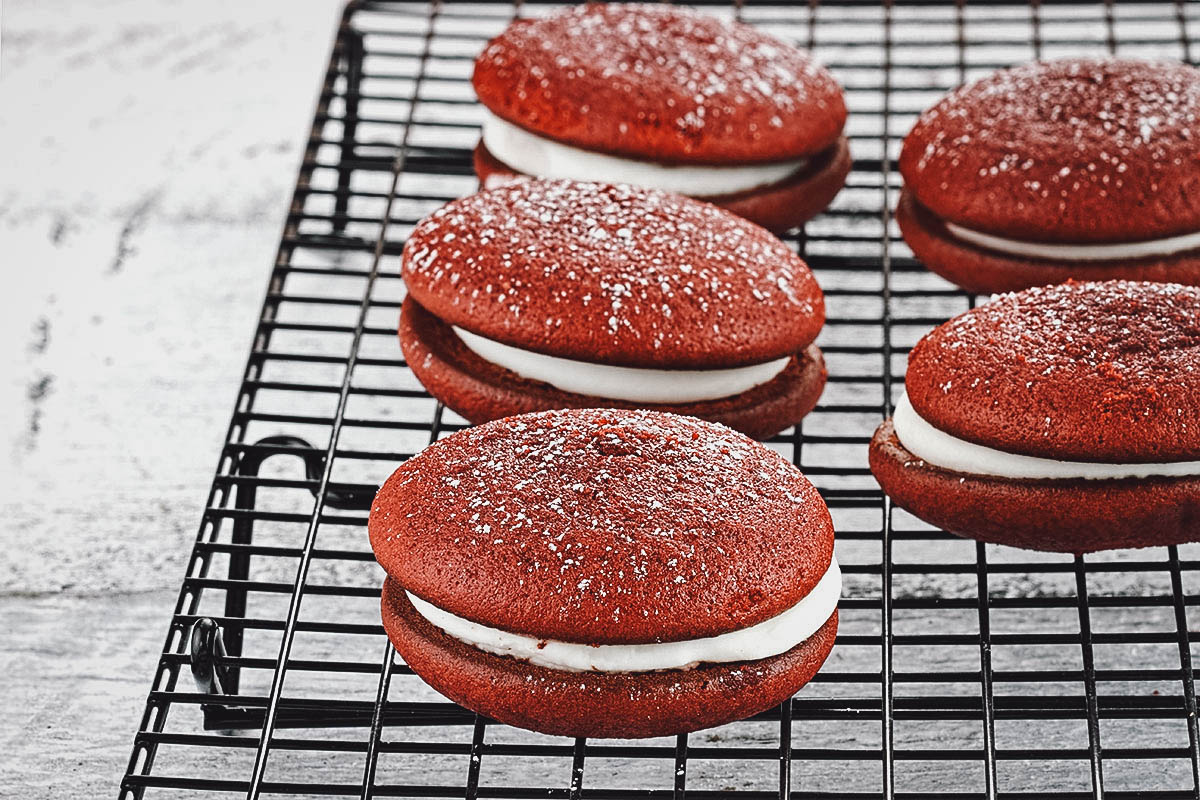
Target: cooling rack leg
[(354, 63), (206, 648), (239, 570), (248, 466), (206, 652)]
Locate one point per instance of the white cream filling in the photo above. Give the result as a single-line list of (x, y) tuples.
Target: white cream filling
[(544, 158), (768, 638), (1079, 252), (632, 384), (939, 448)]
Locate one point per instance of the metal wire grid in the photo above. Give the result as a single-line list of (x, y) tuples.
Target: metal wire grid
[(962, 670)]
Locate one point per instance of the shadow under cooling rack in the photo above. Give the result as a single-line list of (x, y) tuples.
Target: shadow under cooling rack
[(961, 670)]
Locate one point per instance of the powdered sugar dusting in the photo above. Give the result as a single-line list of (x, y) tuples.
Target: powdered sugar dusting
[(664, 81), (1106, 371), (614, 274), (600, 525), (1066, 148)]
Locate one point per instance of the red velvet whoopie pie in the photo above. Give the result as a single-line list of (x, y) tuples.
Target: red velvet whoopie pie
[(607, 573), (1061, 418), (1079, 168), (663, 96), (556, 294)]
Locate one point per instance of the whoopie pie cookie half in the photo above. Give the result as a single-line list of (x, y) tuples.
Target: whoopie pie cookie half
[(1061, 418), (556, 294), (665, 97), (1078, 168), (607, 573)]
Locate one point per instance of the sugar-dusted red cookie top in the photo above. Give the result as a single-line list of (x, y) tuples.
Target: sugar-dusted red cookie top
[(613, 274), (1084, 150), (603, 526), (1106, 371), (662, 83)]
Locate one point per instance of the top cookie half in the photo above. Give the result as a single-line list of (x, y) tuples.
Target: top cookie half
[(660, 83)]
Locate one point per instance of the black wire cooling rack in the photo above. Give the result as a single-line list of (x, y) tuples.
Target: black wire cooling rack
[(961, 670)]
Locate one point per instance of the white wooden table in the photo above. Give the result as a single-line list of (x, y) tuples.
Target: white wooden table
[(149, 152)]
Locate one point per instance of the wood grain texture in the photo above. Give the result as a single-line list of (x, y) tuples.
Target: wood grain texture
[(140, 205), (150, 150), (76, 674)]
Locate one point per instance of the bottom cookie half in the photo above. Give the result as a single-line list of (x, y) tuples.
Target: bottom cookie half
[(989, 271), (481, 391), (777, 206), (1066, 516), (597, 704)]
